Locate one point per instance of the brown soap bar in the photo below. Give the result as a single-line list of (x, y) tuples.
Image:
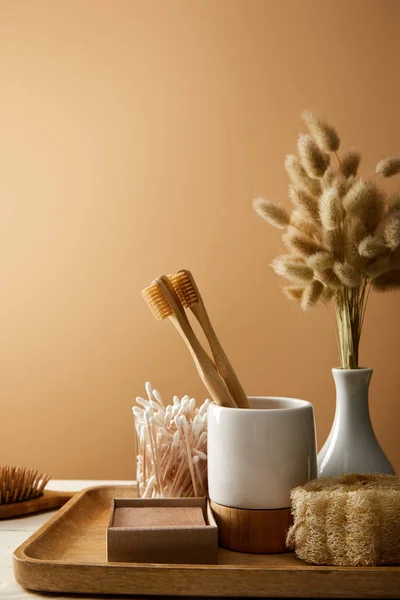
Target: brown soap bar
[(159, 516)]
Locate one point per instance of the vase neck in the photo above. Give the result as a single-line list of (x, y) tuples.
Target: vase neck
[(352, 388)]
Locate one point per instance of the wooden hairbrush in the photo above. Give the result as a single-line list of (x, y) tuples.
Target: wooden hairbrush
[(22, 492)]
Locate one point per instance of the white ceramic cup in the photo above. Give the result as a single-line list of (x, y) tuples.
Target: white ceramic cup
[(256, 456)]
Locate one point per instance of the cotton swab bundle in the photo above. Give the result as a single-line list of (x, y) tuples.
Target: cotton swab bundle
[(172, 446)]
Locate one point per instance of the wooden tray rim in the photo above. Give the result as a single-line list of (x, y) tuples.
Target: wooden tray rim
[(22, 561)]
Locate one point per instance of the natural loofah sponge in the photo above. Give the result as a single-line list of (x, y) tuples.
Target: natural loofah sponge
[(351, 520)]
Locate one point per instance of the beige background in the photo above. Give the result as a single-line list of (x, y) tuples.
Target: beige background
[(133, 137)]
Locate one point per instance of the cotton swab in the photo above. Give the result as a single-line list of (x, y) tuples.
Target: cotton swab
[(172, 445)]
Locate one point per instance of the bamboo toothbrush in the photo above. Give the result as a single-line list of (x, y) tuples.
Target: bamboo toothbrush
[(188, 293), (163, 302), (22, 492)]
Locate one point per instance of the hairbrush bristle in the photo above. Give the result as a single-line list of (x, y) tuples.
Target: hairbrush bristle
[(156, 301), (184, 289), (19, 483)]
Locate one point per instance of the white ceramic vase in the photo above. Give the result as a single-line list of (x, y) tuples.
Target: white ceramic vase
[(351, 446), (256, 456)]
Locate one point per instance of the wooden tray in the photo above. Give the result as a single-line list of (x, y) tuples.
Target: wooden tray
[(68, 554)]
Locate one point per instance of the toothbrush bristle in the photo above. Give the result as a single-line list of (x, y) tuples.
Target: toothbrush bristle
[(156, 301), (184, 289)]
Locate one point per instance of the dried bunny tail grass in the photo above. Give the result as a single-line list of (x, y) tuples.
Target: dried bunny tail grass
[(343, 184), (391, 230), (280, 263), (301, 243), (292, 270), (386, 282), (350, 162), (307, 203), (347, 274), (372, 247), (324, 134), (299, 219), (355, 229), (273, 213), (293, 293), (292, 257), (331, 209), (354, 197), (329, 278), (327, 293), (378, 267), (314, 161), (328, 177), (394, 259), (388, 166), (311, 294), (333, 240), (365, 201), (299, 177), (354, 232), (373, 215), (298, 272), (321, 261), (374, 209), (393, 203)]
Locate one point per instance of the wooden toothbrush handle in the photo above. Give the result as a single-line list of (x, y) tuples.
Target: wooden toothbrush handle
[(206, 369), (222, 362), (205, 366)]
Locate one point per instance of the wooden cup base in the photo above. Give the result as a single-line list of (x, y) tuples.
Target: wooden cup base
[(252, 531)]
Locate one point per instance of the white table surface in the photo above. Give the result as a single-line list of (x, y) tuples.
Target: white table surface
[(15, 531)]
